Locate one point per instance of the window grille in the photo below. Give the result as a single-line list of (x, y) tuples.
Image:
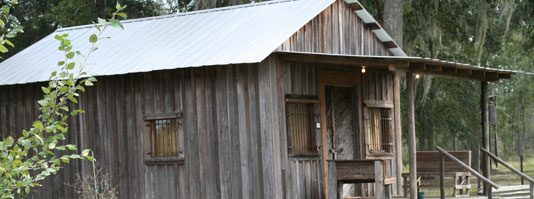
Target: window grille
[(165, 138), (379, 128), (301, 134)]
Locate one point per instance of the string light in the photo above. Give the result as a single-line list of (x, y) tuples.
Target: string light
[(363, 69), (417, 76)]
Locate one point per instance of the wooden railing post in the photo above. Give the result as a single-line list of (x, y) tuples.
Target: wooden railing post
[(441, 175), (521, 163), (531, 190)]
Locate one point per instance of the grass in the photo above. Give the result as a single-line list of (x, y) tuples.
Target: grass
[(501, 176)]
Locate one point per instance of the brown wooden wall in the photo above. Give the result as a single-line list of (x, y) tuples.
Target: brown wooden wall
[(336, 30), (231, 126), (234, 122)]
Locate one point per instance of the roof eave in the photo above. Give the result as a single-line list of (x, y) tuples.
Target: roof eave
[(417, 65)]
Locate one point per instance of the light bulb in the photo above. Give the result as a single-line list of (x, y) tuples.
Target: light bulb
[(363, 69), (417, 76)]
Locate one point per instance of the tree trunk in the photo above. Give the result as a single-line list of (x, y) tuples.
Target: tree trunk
[(393, 19)]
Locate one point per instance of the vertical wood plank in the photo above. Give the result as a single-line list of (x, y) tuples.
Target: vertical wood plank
[(266, 128), (242, 89), (191, 134), (213, 167), (225, 178)]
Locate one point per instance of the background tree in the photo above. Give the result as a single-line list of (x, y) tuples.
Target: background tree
[(497, 33)]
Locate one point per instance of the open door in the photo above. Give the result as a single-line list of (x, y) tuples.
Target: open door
[(338, 92)]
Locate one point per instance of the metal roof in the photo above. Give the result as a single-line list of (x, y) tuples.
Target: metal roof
[(230, 35)]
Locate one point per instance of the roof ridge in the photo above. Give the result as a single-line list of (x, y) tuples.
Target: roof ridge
[(252, 4)]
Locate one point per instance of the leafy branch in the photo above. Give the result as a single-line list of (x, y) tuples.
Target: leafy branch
[(32, 157), (5, 21)]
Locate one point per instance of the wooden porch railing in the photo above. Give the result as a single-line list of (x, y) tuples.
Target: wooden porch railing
[(442, 156), (523, 175)]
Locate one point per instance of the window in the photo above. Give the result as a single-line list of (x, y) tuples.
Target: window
[(300, 127), (163, 137), (379, 131)]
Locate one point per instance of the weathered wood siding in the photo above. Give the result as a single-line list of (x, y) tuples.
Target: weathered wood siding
[(234, 122), (231, 126), (336, 30)]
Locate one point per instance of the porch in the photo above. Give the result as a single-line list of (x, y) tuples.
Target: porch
[(367, 122)]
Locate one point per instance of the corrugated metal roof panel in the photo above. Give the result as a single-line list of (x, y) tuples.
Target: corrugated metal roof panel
[(231, 35)]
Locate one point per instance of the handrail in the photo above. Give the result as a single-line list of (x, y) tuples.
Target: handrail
[(507, 165), (466, 167), (531, 194)]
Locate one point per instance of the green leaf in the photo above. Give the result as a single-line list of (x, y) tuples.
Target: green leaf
[(70, 55), (85, 152), (64, 89), (71, 65), (97, 27), (45, 90), (38, 125), (60, 63), (116, 23), (2, 23), (88, 83), (118, 6), (93, 38), (25, 133), (102, 22), (3, 49), (71, 147), (75, 156), (11, 35), (9, 141), (65, 158), (5, 9), (58, 37), (9, 43), (123, 15), (90, 158)]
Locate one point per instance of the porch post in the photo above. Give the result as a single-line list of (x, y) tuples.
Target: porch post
[(485, 164), (398, 130), (411, 135)]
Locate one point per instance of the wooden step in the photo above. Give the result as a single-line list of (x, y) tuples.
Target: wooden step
[(515, 193), (510, 188)]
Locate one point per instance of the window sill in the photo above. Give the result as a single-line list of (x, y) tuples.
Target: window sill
[(381, 155), (164, 160)]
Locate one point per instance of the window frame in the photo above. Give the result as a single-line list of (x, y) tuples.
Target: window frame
[(379, 104), (149, 139), (311, 102)]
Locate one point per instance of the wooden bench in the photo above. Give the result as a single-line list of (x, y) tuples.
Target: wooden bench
[(359, 171), (428, 166)]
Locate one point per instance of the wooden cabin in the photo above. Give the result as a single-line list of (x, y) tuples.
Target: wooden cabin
[(247, 101)]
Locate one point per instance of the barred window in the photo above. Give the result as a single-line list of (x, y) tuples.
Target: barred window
[(379, 131), (301, 132), (163, 138)]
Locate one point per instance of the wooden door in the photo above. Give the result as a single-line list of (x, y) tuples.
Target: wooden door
[(341, 122), (339, 118)]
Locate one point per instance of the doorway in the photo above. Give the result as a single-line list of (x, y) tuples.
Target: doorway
[(339, 117)]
